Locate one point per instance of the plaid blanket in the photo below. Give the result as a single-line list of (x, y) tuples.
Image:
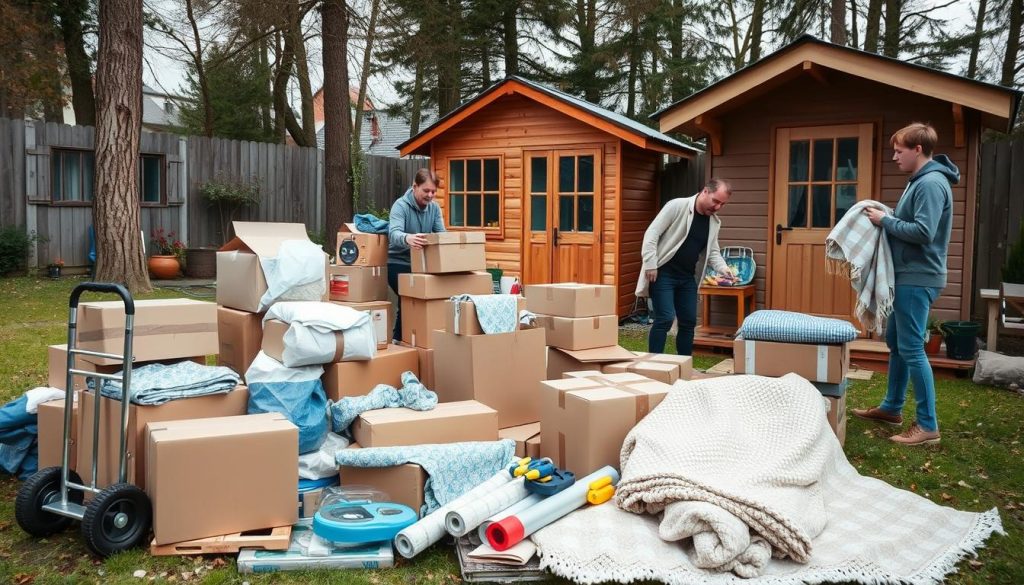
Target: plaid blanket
[(859, 250)]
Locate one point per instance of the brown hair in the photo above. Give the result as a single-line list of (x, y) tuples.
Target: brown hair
[(424, 175), (715, 184), (916, 134)]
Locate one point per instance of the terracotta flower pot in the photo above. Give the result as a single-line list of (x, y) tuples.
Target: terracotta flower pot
[(934, 343), (164, 267)]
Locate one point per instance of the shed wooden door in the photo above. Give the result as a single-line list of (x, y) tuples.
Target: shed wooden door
[(561, 218), (820, 172)]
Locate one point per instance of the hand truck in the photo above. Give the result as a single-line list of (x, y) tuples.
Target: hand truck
[(119, 516)]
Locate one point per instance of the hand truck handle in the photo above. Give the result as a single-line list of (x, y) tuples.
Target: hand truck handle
[(104, 287)]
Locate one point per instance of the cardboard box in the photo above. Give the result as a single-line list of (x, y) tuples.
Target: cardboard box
[(357, 284), (817, 363), (585, 420), (402, 483), (239, 335), (833, 390), (503, 371), (221, 475), (273, 340), (570, 299), (466, 321), (381, 313), (444, 286), (448, 422), (426, 367), (241, 283), (520, 435), (57, 356), (683, 363), (580, 333), (533, 447), (420, 318), (358, 378), (50, 423), (667, 373), (837, 416), (233, 403), (163, 329), (373, 248), (450, 252), (566, 360)]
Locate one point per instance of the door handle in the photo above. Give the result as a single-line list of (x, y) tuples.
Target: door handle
[(778, 233), (556, 237)]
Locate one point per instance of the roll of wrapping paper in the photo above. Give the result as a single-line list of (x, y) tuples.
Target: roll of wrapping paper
[(461, 520), (510, 531), (416, 538), (512, 510)]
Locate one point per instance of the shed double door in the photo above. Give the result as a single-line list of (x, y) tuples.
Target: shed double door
[(562, 216)]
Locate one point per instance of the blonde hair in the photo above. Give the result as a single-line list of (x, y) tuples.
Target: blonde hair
[(916, 134)]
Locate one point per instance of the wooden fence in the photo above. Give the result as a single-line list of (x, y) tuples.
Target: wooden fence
[(682, 178), (1000, 212)]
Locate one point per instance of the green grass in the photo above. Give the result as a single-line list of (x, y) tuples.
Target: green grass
[(977, 467)]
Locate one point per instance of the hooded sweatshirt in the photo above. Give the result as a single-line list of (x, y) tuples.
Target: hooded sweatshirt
[(920, 227), (407, 218)]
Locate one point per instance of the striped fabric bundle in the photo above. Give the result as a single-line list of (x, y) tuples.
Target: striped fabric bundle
[(859, 250)]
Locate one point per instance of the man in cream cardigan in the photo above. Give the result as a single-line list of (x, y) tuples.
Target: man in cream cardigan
[(684, 229)]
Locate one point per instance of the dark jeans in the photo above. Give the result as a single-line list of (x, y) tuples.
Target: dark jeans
[(393, 271), (673, 297)]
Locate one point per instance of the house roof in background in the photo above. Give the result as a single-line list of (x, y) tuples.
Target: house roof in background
[(391, 131)]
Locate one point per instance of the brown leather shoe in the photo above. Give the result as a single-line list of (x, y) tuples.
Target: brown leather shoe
[(877, 414), (915, 435)]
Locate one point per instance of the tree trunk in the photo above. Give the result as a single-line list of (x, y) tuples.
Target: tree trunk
[(675, 51), (302, 72), (337, 120), (119, 256), (364, 74), (872, 29), (283, 59), (756, 30), (586, 12), (839, 22), (510, 34), (417, 100), (268, 124), (854, 41), (485, 64), (891, 41), (83, 100), (197, 60), (449, 63), (295, 128), (979, 29), (1009, 68), (634, 63)]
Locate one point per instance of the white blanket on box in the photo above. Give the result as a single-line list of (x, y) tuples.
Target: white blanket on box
[(297, 273), (744, 465), (311, 339)]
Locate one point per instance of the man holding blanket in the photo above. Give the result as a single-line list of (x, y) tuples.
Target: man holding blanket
[(918, 234)]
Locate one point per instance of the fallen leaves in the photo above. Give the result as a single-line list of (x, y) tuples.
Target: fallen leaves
[(23, 579)]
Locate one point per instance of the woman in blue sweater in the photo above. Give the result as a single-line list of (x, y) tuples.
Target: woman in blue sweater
[(413, 214)]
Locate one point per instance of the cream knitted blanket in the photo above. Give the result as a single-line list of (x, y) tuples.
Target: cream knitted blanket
[(859, 250), (741, 465)]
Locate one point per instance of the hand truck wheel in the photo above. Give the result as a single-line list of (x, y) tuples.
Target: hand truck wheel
[(117, 519), (41, 489)]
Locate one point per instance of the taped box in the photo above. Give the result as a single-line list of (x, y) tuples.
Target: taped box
[(444, 286), (357, 284), (657, 366), (402, 483), (420, 318), (463, 320), (448, 422), (570, 299), (239, 336), (371, 249), (576, 333), (450, 252), (817, 363), (521, 435), (163, 329), (358, 378), (560, 361), (381, 315)]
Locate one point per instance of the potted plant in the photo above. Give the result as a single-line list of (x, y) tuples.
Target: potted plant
[(229, 195), (165, 264), (54, 267), (933, 336)]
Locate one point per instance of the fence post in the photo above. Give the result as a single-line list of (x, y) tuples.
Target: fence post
[(31, 218), (183, 184)]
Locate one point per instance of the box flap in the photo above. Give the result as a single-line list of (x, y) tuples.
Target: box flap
[(612, 353), (264, 238), (520, 433), (349, 228)]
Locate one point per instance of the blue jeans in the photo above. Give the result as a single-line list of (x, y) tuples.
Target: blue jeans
[(673, 297), (904, 334), (393, 271)]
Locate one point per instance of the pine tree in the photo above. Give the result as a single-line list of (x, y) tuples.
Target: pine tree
[(237, 91)]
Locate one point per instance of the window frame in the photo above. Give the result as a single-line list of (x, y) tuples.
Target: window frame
[(56, 151), (162, 165), (491, 233)]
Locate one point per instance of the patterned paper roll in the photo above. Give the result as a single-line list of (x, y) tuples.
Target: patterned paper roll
[(460, 520), (416, 538), (510, 511)]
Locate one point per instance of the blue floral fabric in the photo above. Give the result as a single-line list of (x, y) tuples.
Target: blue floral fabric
[(413, 394), (160, 383)]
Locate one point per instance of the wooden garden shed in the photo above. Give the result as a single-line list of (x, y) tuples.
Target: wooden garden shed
[(564, 189), (804, 133)]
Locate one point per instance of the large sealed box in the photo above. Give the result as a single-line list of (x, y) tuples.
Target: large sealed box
[(561, 361), (221, 475), (233, 403), (585, 420), (817, 363), (402, 483), (521, 435), (444, 286), (357, 284), (503, 371), (570, 299), (241, 283), (358, 378), (239, 334), (448, 422), (575, 333), (372, 248), (420, 318), (50, 421), (450, 252), (683, 363), (463, 320), (163, 329), (381, 315)]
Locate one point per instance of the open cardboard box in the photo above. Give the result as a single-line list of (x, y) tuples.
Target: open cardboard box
[(521, 435), (561, 361), (373, 248), (467, 322)]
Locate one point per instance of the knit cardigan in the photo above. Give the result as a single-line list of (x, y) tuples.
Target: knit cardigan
[(666, 234)]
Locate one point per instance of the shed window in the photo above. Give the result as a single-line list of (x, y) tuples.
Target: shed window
[(474, 193), (73, 173)]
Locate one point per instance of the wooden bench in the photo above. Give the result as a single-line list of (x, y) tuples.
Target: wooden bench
[(997, 301)]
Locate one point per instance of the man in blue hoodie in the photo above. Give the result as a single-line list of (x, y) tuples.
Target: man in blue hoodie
[(413, 214), (918, 234)]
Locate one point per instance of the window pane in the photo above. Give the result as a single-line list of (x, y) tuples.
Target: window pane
[(473, 175), (538, 213), (846, 163), (55, 176), (585, 213), (566, 174), (823, 160), (797, 206), (822, 207), (565, 213), (846, 196), (539, 175), (457, 218), (89, 175), (586, 173), (473, 210), (491, 174), (151, 179), (798, 160), (456, 170), (72, 176), (491, 218)]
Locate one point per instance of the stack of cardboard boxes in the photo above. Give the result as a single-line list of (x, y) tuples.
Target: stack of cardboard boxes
[(363, 284)]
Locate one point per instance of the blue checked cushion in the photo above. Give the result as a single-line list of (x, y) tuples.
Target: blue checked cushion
[(789, 327)]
